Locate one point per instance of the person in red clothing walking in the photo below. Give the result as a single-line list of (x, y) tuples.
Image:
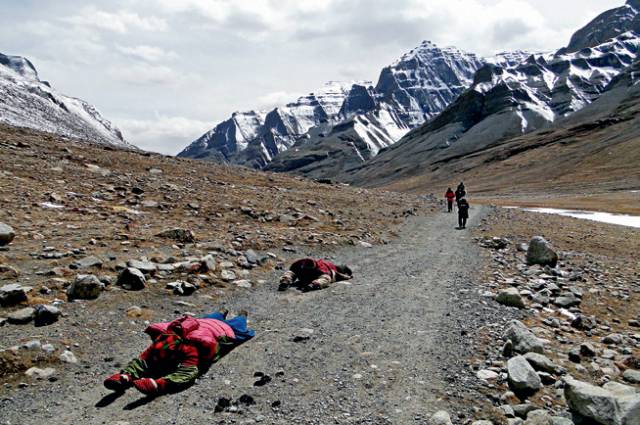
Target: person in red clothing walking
[(450, 196), (181, 351), (313, 274)]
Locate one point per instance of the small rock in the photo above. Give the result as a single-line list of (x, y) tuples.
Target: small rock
[(522, 377), (46, 315), (7, 234), (85, 287), (22, 316), (131, 279), (68, 357), (38, 373), (86, 263), (487, 375), (524, 341), (13, 294), (511, 298), (227, 275), (540, 252), (632, 376), (178, 235), (440, 418)]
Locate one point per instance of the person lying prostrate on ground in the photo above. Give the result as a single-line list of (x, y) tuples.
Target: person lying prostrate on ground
[(463, 213), (450, 196), (314, 274), (180, 352)]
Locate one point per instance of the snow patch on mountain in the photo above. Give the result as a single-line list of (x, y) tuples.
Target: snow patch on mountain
[(26, 101)]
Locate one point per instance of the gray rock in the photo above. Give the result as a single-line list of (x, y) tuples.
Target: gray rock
[(178, 235), (37, 373), (440, 418), (131, 279), (540, 252), (543, 363), (22, 316), (86, 263), (559, 420), (510, 297), (522, 377), (612, 339), (182, 288), (522, 410), (538, 417), (614, 404), (46, 315), (68, 357), (85, 287), (243, 284), (567, 300), (524, 341), (251, 256), (227, 275), (7, 234), (13, 294), (632, 376), (483, 422), (146, 267)]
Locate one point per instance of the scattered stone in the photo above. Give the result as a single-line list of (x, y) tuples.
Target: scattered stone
[(178, 235), (487, 375), (540, 252), (522, 377), (7, 234), (131, 279), (22, 316), (511, 298), (243, 284), (68, 357), (46, 315), (440, 418), (85, 287), (538, 417), (227, 275), (146, 267), (567, 300), (543, 363), (38, 373), (614, 404), (632, 376), (134, 311), (612, 339), (13, 294), (181, 287), (86, 263), (524, 341)]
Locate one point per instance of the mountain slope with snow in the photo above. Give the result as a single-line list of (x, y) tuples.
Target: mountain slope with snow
[(26, 101), (506, 102)]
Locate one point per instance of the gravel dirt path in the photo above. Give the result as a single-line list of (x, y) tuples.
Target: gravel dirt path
[(388, 347)]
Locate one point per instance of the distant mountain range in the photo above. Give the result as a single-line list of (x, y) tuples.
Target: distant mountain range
[(431, 105), (409, 92), (27, 101)]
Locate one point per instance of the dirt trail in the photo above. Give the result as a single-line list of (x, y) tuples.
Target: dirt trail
[(387, 347)]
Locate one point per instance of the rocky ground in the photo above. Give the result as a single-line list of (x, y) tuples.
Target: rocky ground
[(575, 353), (97, 243)]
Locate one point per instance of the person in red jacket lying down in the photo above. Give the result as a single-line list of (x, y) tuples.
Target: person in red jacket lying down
[(180, 352), (314, 274)]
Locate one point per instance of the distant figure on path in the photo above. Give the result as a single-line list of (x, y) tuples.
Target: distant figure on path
[(450, 196), (181, 351), (463, 213), (460, 192), (312, 274)]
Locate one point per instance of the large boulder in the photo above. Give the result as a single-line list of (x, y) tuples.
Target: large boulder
[(522, 377), (540, 252), (13, 294), (131, 279), (85, 287), (510, 297), (523, 340), (6, 234), (613, 404), (178, 235)]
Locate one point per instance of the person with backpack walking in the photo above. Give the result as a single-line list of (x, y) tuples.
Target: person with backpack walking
[(460, 192), (463, 213), (450, 196)]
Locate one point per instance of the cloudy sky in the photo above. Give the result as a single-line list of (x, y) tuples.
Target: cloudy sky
[(167, 70)]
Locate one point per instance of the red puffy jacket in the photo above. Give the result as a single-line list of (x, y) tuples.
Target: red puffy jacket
[(450, 195)]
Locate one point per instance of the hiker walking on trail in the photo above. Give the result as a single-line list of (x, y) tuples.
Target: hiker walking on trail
[(312, 274), (463, 213), (450, 196), (460, 192), (181, 351)]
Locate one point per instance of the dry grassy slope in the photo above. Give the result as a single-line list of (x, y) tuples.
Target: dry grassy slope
[(33, 165)]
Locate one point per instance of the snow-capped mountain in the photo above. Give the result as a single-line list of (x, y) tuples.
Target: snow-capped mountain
[(26, 101), (410, 91), (505, 102)]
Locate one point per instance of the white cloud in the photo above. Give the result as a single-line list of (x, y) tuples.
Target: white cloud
[(167, 135), (145, 74), (278, 98), (148, 53), (120, 22)]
